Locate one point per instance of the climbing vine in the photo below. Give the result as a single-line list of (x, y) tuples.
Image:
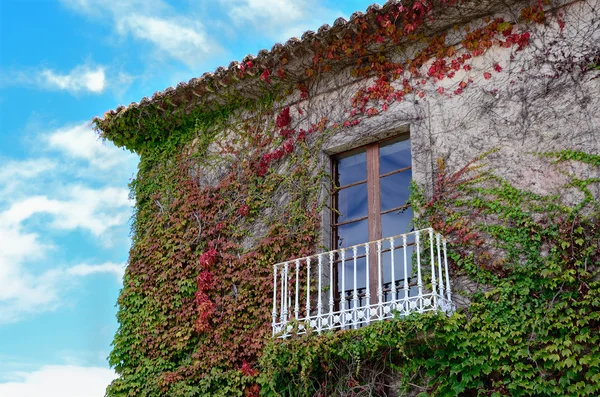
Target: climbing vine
[(533, 331), (230, 183)]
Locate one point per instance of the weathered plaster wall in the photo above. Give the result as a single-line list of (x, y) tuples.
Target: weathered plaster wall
[(522, 110), (539, 102)]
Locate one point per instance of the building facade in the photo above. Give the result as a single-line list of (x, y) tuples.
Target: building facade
[(294, 192)]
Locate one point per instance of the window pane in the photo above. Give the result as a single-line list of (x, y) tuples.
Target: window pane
[(394, 223), (394, 156), (352, 169), (394, 190), (352, 203), (352, 234)]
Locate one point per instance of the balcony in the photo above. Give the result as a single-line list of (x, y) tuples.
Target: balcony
[(354, 286)]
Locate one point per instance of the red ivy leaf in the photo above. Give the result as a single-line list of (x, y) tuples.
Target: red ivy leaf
[(265, 76)]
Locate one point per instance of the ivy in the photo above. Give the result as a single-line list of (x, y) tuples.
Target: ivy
[(533, 332), (230, 185)]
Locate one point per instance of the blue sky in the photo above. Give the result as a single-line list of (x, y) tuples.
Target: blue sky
[(64, 207)]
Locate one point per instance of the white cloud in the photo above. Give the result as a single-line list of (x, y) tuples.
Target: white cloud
[(281, 19), (79, 142), (177, 35), (180, 38), (281, 11), (14, 173), (94, 210), (70, 189), (115, 269), (60, 381), (81, 78), (24, 169), (24, 291)]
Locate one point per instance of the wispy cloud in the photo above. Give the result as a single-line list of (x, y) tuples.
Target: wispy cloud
[(116, 269), (78, 142), (25, 291), (81, 207), (178, 37), (47, 195), (14, 173), (280, 19), (82, 78), (171, 33), (271, 11), (60, 381)]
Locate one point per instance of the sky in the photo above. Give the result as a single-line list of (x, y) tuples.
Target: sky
[(65, 211)]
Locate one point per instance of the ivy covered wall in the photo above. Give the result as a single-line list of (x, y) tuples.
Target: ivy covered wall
[(501, 101)]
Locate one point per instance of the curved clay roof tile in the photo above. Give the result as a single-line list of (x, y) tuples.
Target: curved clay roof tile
[(292, 43), (309, 34), (276, 47), (357, 14), (262, 54), (339, 22), (294, 47), (220, 72), (323, 29), (373, 8)]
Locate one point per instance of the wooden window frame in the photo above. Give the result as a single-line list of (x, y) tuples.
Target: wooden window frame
[(374, 212)]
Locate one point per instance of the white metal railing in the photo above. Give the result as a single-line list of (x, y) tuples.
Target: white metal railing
[(334, 289)]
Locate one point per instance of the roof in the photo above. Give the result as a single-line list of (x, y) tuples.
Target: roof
[(283, 58)]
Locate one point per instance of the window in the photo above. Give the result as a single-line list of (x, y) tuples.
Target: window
[(370, 198)]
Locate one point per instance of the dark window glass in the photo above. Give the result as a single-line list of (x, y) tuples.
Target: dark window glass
[(396, 222), (394, 156), (352, 169), (394, 190), (352, 234), (352, 203)]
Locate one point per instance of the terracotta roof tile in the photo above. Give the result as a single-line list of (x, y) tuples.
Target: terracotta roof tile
[(222, 76)]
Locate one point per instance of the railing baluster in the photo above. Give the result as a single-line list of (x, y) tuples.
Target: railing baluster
[(439, 260), (366, 309), (274, 298), (307, 316), (343, 289), (448, 292), (355, 295), (393, 272), (331, 301), (433, 279), (379, 281), (282, 307), (297, 306), (405, 268), (419, 279), (320, 292), (287, 299), (355, 301)]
